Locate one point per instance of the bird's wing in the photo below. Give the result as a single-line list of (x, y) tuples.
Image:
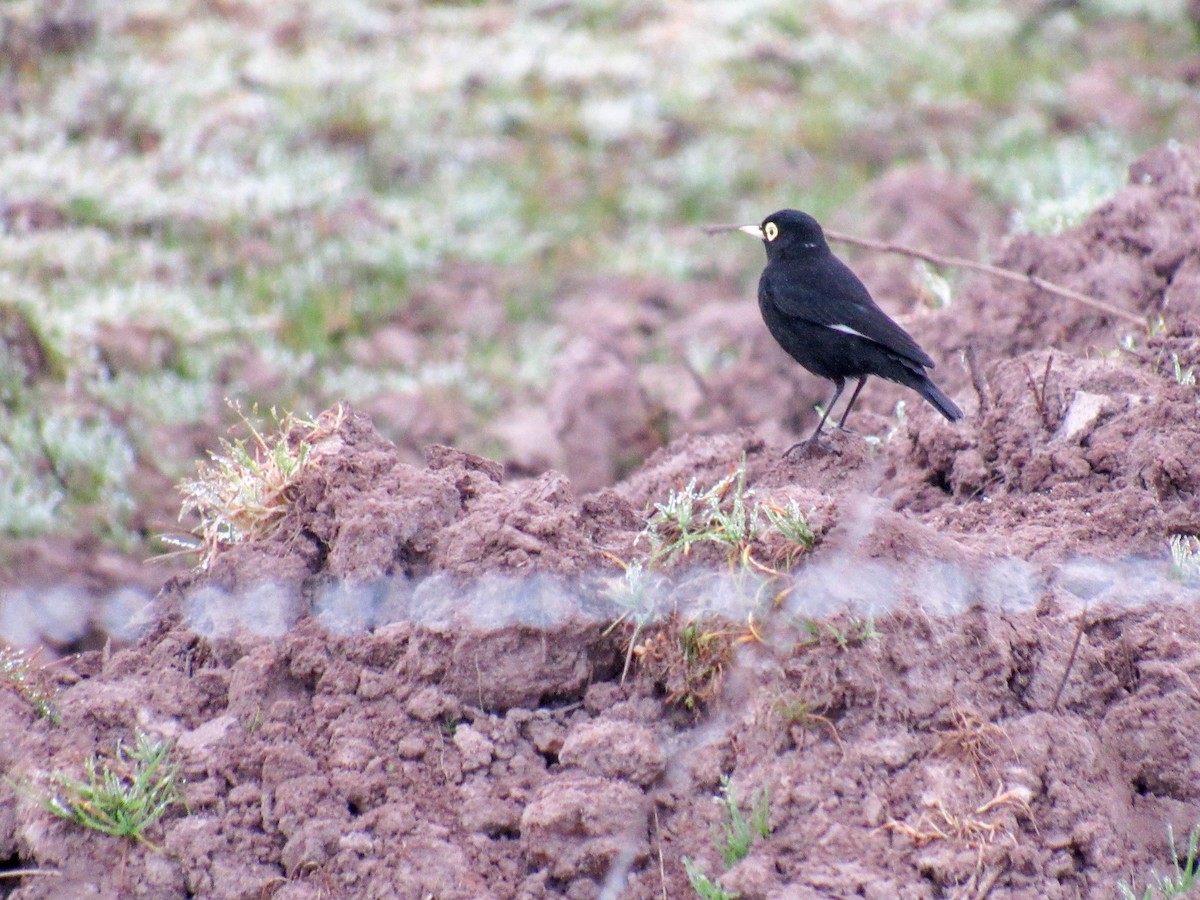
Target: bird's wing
[(831, 295)]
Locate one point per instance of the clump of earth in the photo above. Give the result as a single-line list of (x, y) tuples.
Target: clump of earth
[(978, 678)]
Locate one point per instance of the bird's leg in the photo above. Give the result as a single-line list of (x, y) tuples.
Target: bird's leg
[(814, 440), (850, 405)]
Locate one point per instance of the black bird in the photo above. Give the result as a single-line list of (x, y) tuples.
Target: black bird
[(821, 314)]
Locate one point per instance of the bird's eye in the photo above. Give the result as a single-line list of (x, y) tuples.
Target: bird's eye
[(771, 230)]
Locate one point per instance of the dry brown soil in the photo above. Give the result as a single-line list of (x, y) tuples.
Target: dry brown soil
[(414, 688)]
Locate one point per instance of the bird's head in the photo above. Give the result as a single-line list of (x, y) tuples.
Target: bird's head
[(789, 232)]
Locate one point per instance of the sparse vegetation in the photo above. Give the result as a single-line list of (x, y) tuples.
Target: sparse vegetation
[(705, 887), (636, 593), (1184, 877), (690, 658), (20, 673), (795, 709), (718, 515), (1185, 557), (690, 645), (971, 738), (791, 522), (900, 417), (975, 827), (1185, 377), (845, 631), (122, 795), (736, 831), (244, 491), (53, 461), (733, 837), (731, 517)]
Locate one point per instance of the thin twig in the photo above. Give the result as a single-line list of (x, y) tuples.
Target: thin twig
[(705, 389), (959, 262), (662, 866), (1039, 396), (27, 873), (1070, 659), (985, 885), (978, 378)]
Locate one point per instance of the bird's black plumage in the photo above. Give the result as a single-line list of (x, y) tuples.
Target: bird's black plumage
[(824, 317)]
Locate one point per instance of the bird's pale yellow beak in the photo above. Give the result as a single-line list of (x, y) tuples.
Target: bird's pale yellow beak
[(753, 231)]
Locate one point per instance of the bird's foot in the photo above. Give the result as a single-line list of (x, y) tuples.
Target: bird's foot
[(809, 446)]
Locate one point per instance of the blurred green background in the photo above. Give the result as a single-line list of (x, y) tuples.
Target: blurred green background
[(226, 199)]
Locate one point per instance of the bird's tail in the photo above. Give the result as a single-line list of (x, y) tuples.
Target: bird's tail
[(939, 401)]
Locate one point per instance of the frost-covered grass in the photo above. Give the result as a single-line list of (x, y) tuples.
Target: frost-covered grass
[(271, 181)]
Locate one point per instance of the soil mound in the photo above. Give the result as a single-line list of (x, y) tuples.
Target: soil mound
[(977, 677)]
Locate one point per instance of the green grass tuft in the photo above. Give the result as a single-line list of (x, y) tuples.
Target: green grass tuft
[(737, 832), (123, 795), (705, 887), (1184, 877)]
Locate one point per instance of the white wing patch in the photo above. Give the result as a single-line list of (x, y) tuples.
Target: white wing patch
[(846, 329)]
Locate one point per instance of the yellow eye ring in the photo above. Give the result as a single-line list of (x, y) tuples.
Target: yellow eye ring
[(771, 230)]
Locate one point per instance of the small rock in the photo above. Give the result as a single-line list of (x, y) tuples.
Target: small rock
[(1085, 411), (482, 812), (615, 749), (430, 704), (359, 842), (546, 735), (476, 750), (579, 825), (312, 844), (411, 747)]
